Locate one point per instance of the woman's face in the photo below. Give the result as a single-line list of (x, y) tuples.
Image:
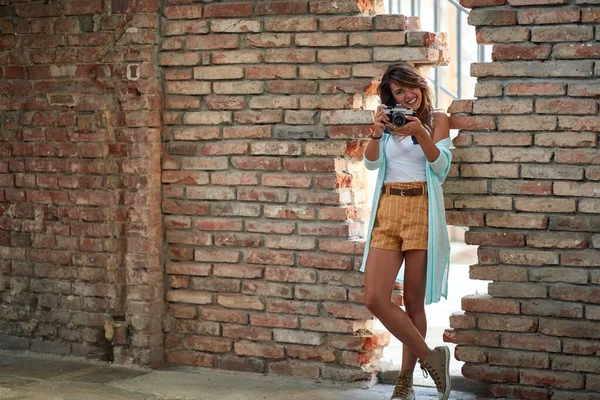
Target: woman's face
[(407, 97)]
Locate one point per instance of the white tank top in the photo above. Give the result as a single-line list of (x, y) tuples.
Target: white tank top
[(405, 161)]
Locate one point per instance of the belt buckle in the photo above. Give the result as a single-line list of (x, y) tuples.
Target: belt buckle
[(402, 192)]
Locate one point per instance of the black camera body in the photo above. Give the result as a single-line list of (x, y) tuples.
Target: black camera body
[(397, 116)]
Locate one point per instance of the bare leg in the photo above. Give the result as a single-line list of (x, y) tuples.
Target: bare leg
[(415, 275), (380, 274)]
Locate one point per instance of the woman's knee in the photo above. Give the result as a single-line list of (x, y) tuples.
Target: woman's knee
[(374, 302), (414, 304)]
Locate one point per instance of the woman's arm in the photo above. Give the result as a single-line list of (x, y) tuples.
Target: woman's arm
[(380, 120)]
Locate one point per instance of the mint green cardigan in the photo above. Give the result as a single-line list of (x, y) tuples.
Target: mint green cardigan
[(438, 243)]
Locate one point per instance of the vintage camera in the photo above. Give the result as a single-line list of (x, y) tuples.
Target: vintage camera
[(397, 116)]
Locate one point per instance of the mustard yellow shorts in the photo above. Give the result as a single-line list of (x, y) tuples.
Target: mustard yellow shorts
[(401, 221)]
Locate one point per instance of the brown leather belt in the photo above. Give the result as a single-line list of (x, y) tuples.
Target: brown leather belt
[(402, 192)]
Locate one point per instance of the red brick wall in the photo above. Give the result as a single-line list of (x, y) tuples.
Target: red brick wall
[(526, 180), (266, 108), (80, 230)]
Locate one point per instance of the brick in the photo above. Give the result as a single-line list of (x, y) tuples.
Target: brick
[(535, 69), (301, 24), (187, 88), (590, 15), (298, 337), (329, 325), (550, 308), (493, 17), (589, 206), (236, 57), (537, 89), (319, 292), (545, 205), (472, 122), (227, 10), (524, 51), (532, 341), (344, 55), (574, 223), (247, 87), (324, 72), (414, 54), (528, 257), (511, 34), (566, 33), (490, 170), (456, 218), (484, 202), (548, 16), (275, 148), (485, 303), (179, 59), (519, 290), (190, 297), (212, 41), (273, 102), (480, 3), (494, 239), (518, 358), (589, 189), (540, 188), (574, 293), (503, 139), (504, 273), (580, 259), (551, 379), (590, 123), (283, 274), (348, 117), (565, 106), (584, 89), (221, 72), (578, 346), (566, 139), (577, 156), (518, 3), (234, 26), (522, 155), (183, 12), (592, 173), (291, 87), (487, 89), (490, 373), (531, 123), (281, 7), (352, 23), (558, 240), (247, 348)]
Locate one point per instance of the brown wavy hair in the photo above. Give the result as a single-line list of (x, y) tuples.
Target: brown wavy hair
[(406, 75)]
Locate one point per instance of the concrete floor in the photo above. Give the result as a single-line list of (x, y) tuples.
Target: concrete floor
[(30, 376)]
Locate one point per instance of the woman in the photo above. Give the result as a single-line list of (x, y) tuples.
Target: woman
[(409, 224)]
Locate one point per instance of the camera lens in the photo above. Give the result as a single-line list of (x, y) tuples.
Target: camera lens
[(398, 119)]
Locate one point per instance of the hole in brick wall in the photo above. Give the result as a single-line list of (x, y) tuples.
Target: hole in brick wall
[(133, 72), (462, 255)]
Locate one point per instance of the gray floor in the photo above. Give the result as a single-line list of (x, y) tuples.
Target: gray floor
[(28, 376)]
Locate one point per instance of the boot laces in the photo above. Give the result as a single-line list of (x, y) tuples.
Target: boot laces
[(402, 384)]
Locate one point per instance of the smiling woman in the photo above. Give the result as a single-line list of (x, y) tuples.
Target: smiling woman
[(409, 225)]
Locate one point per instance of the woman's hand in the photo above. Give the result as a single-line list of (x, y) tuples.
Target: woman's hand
[(412, 128), (381, 120)]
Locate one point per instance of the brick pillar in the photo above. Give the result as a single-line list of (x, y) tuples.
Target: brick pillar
[(267, 104), (80, 231), (526, 181)]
